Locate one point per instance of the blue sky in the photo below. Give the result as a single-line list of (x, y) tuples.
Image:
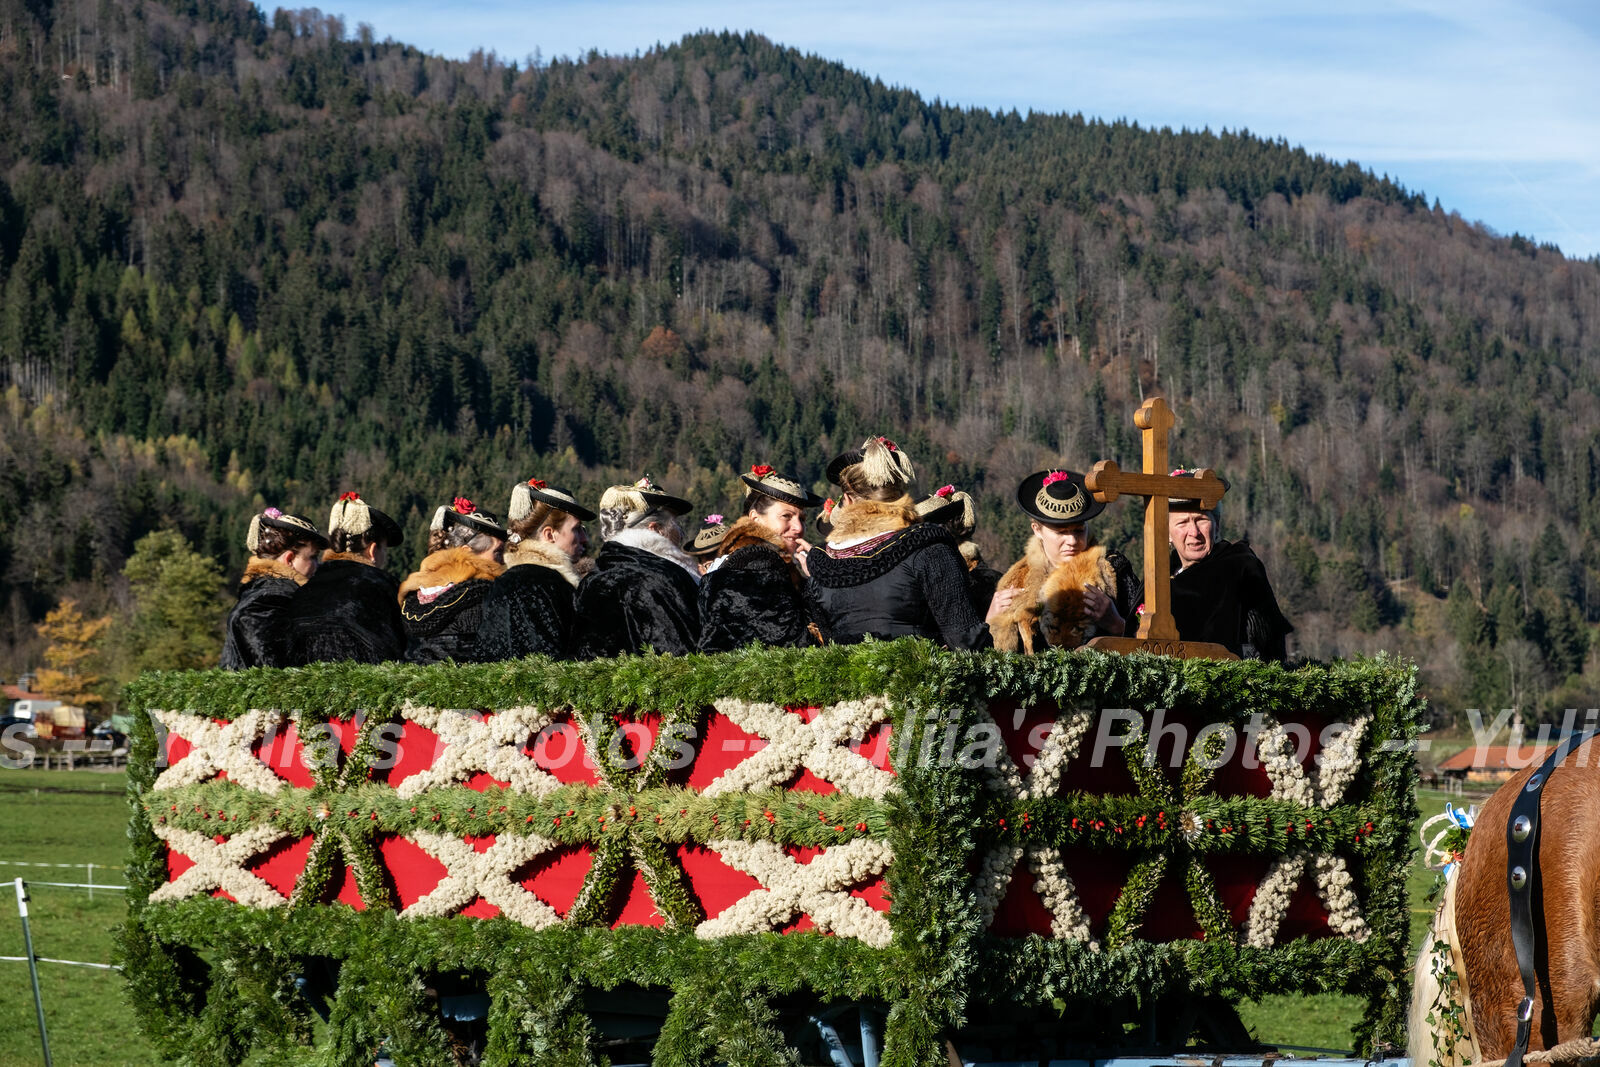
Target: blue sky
[(1492, 107)]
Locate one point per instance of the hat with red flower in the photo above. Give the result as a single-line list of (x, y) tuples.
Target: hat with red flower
[(766, 481)]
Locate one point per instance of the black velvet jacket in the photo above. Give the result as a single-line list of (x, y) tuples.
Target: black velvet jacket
[(1226, 599), (258, 626), (981, 583), (633, 599), (349, 610), (753, 596), (444, 625), (912, 583), (529, 608)]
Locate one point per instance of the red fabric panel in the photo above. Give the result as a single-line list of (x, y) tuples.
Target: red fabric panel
[(416, 749), (558, 748), (638, 909), (724, 745), (875, 893), (876, 745), (1099, 878), (343, 889), (717, 885), (556, 877), (413, 872), (1021, 912), (1237, 878), (1170, 916), (280, 865), (285, 755), (177, 747), (1306, 916)]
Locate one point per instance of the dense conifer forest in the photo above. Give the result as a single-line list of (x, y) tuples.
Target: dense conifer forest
[(255, 258)]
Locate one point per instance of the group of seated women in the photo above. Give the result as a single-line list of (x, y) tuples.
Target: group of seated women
[(890, 566)]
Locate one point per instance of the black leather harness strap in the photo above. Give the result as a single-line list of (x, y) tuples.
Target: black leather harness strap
[(1522, 874)]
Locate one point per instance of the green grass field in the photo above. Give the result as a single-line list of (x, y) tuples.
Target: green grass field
[(78, 817)]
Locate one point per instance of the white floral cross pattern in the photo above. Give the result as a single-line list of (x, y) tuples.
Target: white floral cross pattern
[(789, 888), (820, 746), (217, 747), (1283, 878), (492, 745), (221, 866), (488, 874), (1340, 761)]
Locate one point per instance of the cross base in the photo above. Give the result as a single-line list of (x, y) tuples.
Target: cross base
[(1163, 647)]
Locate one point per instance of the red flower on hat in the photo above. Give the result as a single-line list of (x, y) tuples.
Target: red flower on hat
[(351, 495), (536, 483), (1056, 476), (462, 506), (827, 506), (761, 470), (944, 490), (886, 443)]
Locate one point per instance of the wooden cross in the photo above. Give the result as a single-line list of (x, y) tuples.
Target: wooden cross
[(1158, 631)]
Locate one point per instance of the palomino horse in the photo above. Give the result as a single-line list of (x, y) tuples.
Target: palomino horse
[(1473, 920)]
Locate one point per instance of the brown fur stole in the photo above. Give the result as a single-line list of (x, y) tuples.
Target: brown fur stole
[(331, 556), (861, 519), (535, 553), (260, 567), (1052, 598), (450, 566)]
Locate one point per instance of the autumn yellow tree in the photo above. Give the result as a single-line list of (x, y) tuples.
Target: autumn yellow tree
[(72, 657)]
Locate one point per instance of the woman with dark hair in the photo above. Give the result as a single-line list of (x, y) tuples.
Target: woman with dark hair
[(1067, 588), (752, 593), (954, 510), (442, 602), (283, 554), (1220, 592), (350, 610), (882, 573), (642, 591), (528, 611)]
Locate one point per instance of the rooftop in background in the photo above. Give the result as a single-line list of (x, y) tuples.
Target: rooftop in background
[(1495, 758)]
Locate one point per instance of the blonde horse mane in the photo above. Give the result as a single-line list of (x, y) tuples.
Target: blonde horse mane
[(1438, 984)]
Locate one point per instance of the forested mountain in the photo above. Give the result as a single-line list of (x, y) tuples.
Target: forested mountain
[(250, 258)]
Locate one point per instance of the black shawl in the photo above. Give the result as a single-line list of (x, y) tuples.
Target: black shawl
[(1227, 600), (258, 626), (753, 596), (528, 611), (348, 611), (635, 599)]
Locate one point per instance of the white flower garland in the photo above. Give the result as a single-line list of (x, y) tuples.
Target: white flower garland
[(492, 745), (221, 865), (471, 874), (819, 889), (994, 879), (1340, 762), (1067, 917), (1057, 750), (1272, 898), (1334, 886), (821, 746), (218, 747)]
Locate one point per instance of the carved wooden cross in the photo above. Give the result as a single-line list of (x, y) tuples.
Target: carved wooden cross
[(1158, 632)]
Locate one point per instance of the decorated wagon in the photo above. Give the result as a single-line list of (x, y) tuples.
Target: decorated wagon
[(891, 849)]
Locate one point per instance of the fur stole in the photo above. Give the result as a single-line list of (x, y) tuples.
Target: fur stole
[(647, 540), (971, 553), (331, 556), (450, 566), (270, 568), (748, 532), (863, 519), (1052, 598), (533, 552)]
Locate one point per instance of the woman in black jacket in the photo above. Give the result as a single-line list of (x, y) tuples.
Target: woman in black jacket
[(642, 591), (441, 603), (954, 510), (882, 573), (283, 554), (350, 609), (528, 611), (752, 593)]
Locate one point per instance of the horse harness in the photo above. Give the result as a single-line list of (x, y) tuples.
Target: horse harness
[(1522, 875)]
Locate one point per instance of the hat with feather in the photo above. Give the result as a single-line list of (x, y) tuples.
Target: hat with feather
[(463, 512), (354, 516), (881, 461), (298, 527), (642, 495), (525, 496), (948, 504), (765, 480)]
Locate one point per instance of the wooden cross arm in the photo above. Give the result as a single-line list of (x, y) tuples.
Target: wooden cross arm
[(1108, 481)]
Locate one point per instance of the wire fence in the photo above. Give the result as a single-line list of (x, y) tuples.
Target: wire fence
[(33, 959)]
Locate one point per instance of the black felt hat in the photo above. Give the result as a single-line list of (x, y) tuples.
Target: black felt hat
[(524, 495), (1181, 504), (1057, 498), (708, 538), (768, 482), (642, 495), (297, 526), (891, 464), (948, 504), (355, 516), (463, 512)]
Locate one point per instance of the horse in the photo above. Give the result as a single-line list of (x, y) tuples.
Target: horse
[(1472, 920)]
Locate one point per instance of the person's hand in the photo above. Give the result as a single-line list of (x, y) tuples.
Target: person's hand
[(1101, 610), (800, 553), (1003, 599)]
